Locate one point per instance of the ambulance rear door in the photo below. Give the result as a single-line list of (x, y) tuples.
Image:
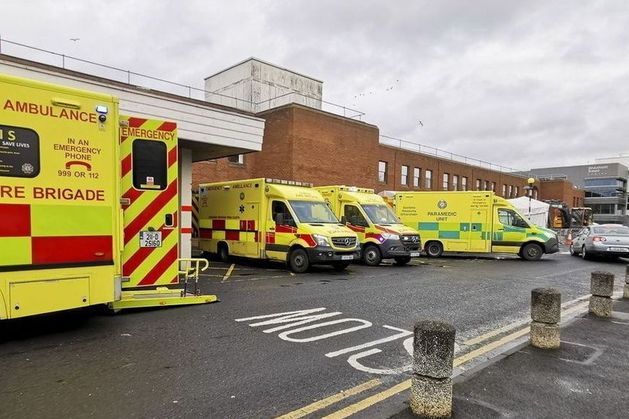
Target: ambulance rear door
[(149, 172)]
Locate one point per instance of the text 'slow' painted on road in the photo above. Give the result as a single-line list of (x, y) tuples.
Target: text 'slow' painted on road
[(301, 327)]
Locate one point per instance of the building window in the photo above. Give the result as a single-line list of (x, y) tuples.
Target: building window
[(486, 185), (464, 183), (446, 181), (510, 191), (428, 179), (504, 190), (493, 186), (455, 182), (478, 184), (417, 172), (404, 175), (516, 191), (237, 159), (382, 171)]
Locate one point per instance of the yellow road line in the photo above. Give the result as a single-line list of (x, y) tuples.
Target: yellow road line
[(370, 401), (494, 332), (320, 404), (228, 273), (405, 385)]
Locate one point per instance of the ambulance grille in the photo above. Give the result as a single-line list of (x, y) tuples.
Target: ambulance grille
[(410, 239), (344, 242)]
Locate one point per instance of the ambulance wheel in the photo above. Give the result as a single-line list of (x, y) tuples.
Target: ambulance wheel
[(340, 266), (532, 251), (223, 252), (402, 260), (434, 249), (371, 255), (298, 261)]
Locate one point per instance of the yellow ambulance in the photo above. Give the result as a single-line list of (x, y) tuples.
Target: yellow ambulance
[(273, 219), (88, 203), (474, 222), (382, 235)]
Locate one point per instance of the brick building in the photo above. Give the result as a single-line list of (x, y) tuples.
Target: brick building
[(304, 143)]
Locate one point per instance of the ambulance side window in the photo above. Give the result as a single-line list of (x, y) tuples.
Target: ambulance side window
[(354, 216), (150, 165), (281, 215), (511, 218)]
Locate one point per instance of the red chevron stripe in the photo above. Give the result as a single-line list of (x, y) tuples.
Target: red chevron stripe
[(132, 194), (167, 126), (138, 257), (135, 122), (150, 211), (161, 267), (126, 165), (172, 156)]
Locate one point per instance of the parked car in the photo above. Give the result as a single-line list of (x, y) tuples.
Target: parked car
[(601, 240)]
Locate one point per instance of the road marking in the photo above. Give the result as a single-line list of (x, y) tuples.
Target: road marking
[(328, 401), (228, 273), (370, 401), (403, 333), (292, 273)]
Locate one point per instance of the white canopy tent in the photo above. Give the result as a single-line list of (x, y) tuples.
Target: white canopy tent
[(538, 213)]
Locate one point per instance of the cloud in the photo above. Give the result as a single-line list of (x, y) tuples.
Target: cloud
[(521, 84)]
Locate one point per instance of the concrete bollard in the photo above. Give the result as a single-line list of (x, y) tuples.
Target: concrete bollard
[(625, 293), (602, 288), (546, 314), (433, 355)]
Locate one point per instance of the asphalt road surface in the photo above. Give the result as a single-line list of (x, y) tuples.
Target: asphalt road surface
[(242, 357)]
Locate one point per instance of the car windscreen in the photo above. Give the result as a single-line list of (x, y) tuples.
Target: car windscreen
[(313, 212), (611, 230), (380, 214)]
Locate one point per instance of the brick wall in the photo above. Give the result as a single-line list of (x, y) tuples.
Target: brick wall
[(310, 145)]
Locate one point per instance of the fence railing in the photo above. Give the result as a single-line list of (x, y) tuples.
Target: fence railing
[(144, 81), (447, 155)]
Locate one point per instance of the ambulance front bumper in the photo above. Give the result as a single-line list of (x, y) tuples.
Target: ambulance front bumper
[(395, 248), (322, 255), (551, 246)]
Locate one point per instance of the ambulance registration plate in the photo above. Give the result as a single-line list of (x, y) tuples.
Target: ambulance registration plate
[(414, 254), (150, 239), (347, 257)]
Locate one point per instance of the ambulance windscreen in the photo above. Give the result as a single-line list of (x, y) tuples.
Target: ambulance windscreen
[(313, 212), (380, 214)]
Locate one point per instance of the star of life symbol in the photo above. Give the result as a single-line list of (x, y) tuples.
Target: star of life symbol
[(442, 204), (28, 168)]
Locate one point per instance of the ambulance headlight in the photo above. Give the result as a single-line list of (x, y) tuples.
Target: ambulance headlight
[(321, 240), (389, 236)]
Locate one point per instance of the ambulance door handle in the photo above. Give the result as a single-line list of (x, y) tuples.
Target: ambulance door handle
[(168, 220)]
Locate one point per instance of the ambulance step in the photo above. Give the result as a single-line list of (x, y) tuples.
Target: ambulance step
[(160, 297)]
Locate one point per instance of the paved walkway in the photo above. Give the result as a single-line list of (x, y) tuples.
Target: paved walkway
[(587, 377)]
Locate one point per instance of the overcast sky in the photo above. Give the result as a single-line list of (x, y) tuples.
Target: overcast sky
[(519, 83)]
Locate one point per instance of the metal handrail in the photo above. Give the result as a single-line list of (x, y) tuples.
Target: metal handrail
[(191, 270)]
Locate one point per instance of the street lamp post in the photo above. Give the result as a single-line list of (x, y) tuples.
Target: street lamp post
[(529, 191)]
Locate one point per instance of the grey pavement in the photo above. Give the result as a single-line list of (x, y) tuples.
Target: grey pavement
[(587, 377)]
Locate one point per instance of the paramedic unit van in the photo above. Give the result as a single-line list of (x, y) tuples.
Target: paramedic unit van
[(88, 203), (273, 219), (475, 222), (380, 232)]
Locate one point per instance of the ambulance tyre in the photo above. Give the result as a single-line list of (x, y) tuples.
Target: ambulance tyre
[(532, 251), (434, 249), (371, 255), (340, 266), (298, 260), (223, 252)]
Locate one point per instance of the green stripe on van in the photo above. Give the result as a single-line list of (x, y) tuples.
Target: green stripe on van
[(428, 226), (449, 234)]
